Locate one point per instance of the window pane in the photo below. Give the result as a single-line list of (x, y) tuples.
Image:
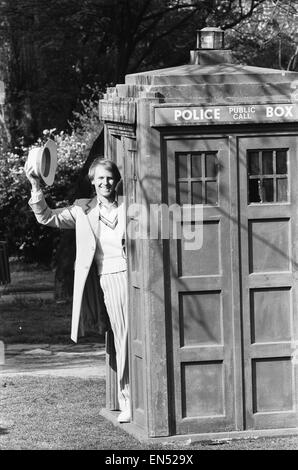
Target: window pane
[(267, 158), (253, 163), (268, 193), (281, 162), (254, 193), (282, 189), (196, 166), (182, 166), (211, 192), (211, 167), (182, 196), (196, 193)]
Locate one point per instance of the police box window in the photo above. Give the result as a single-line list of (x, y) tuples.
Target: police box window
[(197, 178), (267, 175)]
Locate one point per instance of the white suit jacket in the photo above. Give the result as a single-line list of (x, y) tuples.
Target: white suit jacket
[(83, 216)]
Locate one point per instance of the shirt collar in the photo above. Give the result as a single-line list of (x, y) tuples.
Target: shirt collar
[(102, 205)]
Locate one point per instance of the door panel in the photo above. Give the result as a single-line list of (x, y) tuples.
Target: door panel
[(201, 288), (268, 207)]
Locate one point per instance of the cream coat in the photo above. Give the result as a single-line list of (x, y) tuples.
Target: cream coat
[(83, 217)]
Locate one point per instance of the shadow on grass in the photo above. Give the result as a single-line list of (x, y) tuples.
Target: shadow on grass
[(3, 431)]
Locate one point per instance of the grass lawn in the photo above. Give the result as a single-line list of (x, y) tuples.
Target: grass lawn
[(28, 277), (35, 320), (56, 413), (63, 413)]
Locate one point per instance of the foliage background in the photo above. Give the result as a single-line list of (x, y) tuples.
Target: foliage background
[(26, 239)]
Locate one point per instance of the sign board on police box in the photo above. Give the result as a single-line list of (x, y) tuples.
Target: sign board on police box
[(234, 114), (120, 110)]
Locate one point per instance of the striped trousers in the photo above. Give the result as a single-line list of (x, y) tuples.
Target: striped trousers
[(114, 287)]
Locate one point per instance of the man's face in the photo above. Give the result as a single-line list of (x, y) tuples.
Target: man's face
[(103, 182)]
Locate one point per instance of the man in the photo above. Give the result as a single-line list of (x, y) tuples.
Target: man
[(100, 228)]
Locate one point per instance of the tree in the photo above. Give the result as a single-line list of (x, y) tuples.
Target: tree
[(269, 37), (56, 48)]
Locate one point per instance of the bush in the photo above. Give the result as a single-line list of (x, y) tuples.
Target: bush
[(27, 239)]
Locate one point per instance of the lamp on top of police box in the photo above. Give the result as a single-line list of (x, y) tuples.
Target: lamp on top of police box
[(210, 38)]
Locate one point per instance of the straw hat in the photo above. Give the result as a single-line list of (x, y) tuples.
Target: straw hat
[(44, 161)]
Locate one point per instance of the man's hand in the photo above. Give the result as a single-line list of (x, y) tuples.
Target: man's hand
[(31, 176)]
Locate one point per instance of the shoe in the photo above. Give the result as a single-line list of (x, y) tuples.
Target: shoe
[(124, 416)]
